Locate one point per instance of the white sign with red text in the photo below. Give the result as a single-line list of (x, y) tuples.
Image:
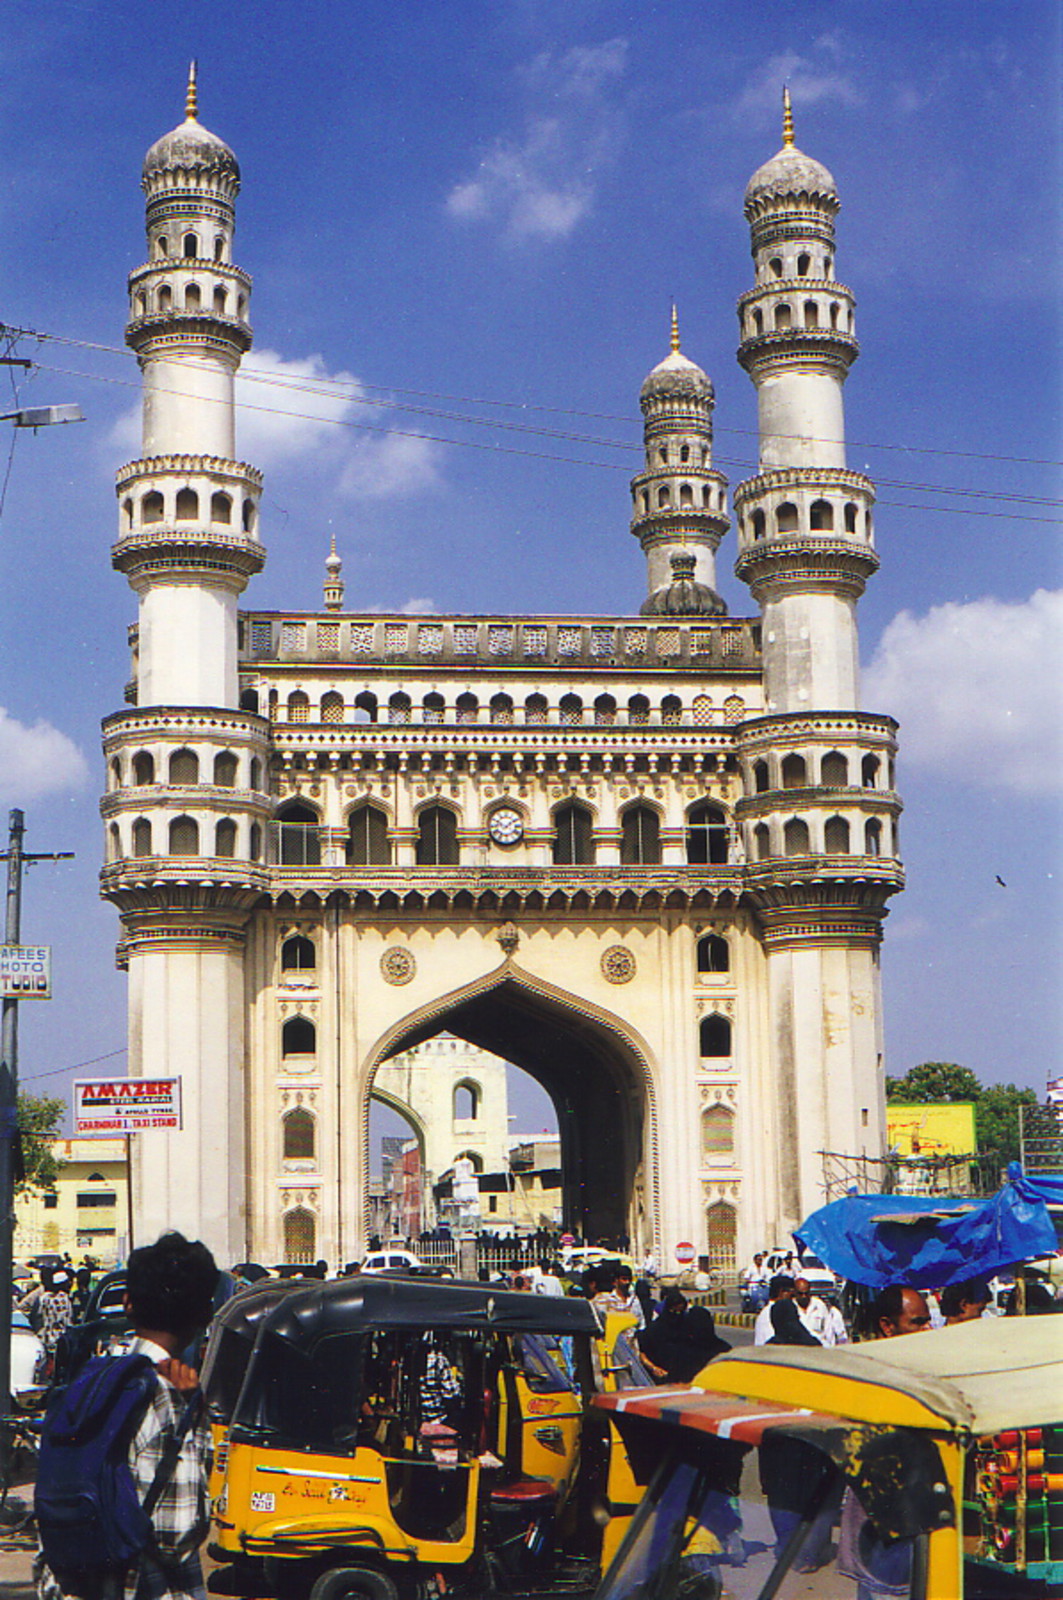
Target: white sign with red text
[(105, 1106)]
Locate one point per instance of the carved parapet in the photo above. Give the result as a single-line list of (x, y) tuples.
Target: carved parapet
[(231, 557), (815, 559), (185, 886)]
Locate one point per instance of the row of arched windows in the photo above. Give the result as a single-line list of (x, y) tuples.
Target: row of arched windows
[(796, 772), (838, 838), (821, 519), (151, 509), (806, 315), (803, 265), (189, 247), (685, 499), (183, 768), (181, 836), (500, 710), (192, 300)]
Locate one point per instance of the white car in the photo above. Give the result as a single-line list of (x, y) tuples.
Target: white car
[(392, 1261), (26, 1351), (821, 1279)]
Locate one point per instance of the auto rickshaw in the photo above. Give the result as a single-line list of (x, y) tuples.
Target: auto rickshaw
[(382, 1436), (928, 1467)]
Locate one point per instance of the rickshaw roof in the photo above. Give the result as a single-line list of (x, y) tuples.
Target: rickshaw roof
[(373, 1300), (994, 1373)]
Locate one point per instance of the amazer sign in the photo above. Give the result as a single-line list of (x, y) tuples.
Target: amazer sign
[(107, 1106)]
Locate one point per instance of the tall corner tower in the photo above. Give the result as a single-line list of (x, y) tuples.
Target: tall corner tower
[(679, 500), (819, 811), (186, 806)]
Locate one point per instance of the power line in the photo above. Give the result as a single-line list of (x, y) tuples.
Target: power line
[(58, 1072), (315, 383)]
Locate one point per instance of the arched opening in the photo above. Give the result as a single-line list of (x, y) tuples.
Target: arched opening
[(332, 707), (640, 842), (186, 505), (298, 835), (467, 709), (225, 769), (761, 777), (821, 516), (604, 711), (249, 700), (535, 709), (466, 1101), (869, 770), (795, 838), (714, 1037), (638, 711), (804, 261), (300, 1237), (247, 516), (255, 777), (686, 495), (367, 838), (834, 771), (298, 706), (836, 836), (717, 1132), (184, 836), (873, 837), (501, 710), (783, 317), (184, 767), (114, 844), (365, 706), (720, 1236), (190, 246), (142, 837), (850, 516), (152, 507), (225, 837), (794, 772), (437, 837), (143, 768), (193, 297), (811, 311), (297, 1135), (298, 1037), (433, 708), (707, 836), (221, 300), (399, 708), (775, 266), (298, 954), (671, 711), (786, 518), (574, 836), (571, 708), (714, 953), (758, 523), (221, 508), (596, 1075), (761, 842)]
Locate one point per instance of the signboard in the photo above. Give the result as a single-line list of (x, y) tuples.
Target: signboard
[(104, 1106), (933, 1129), (26, 971), (685, 1253)]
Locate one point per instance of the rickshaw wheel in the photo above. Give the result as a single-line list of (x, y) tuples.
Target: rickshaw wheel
[(354, 1583)]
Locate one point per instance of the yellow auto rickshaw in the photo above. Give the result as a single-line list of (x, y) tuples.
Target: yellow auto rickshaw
[(927, 1467), (383, 1436)]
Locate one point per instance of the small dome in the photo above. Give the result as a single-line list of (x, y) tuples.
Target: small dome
[(677, 375), (790, 173), (684, 596), (191, 145)]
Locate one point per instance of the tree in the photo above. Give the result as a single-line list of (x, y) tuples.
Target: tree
[(996, 1118), (38, 1125), (935, 1081)]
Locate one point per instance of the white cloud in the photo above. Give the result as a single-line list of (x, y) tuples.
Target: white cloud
[(416, 606), (36, 760), (541, 184), (298, 412), (977, 690), (812, 80)]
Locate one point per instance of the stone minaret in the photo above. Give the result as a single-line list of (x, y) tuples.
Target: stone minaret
[(805, 542), (819, 812), (680, 502), (188, 534), (186, 807)]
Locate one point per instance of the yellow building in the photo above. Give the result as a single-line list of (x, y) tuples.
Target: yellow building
[(87, 1212)]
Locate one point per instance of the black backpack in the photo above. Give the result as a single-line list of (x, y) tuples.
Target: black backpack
[(90, 1519)]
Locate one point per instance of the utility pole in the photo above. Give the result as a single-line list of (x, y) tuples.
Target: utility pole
[(16, 858)]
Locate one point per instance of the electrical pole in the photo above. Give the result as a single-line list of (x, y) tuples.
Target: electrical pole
[(16, 858)]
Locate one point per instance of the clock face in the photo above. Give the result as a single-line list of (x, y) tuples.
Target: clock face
[(506, 826)]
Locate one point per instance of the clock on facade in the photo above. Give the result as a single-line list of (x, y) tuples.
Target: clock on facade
[(505, 825)]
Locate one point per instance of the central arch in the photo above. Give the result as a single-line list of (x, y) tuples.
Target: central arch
[(597, 1071)]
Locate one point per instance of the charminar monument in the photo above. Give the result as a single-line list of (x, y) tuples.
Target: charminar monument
[(644, 857)]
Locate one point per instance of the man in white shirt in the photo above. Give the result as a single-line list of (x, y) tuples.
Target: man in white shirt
[(754, 1284), (781, 1287), (814, 1313)]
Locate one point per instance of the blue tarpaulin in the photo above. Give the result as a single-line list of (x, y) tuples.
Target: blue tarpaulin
[(930, 1241)]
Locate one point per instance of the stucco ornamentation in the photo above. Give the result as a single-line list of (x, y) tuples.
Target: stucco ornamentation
[(398, 965), (618, 964)]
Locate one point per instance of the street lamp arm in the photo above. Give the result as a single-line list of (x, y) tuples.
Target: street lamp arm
[(43, 416)]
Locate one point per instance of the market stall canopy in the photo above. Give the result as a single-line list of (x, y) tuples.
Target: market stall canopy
[(876, 1239)]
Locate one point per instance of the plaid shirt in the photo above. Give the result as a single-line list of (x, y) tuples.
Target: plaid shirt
[(171, 1569)]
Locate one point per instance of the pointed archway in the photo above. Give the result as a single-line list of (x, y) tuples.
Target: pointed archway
[(597, 1071)]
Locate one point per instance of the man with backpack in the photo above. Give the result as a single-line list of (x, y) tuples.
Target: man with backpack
[(121, 1497)]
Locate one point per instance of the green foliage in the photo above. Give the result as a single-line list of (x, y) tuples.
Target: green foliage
[(935, 1081), (39, 1117), (996, 1118)]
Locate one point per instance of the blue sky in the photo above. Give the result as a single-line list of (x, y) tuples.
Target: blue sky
[(483, 211)]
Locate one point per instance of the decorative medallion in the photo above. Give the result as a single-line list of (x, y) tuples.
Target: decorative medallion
[(397, 965), (618, 964), (508, 938)]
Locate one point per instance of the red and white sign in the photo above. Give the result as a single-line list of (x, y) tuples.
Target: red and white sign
[(105, 1106), (685, 1253)]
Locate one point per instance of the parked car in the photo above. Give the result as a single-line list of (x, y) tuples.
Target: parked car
[(392, 1261)]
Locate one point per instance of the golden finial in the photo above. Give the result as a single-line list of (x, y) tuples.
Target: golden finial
[(675, 329), (787, 118), (191, 99)]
